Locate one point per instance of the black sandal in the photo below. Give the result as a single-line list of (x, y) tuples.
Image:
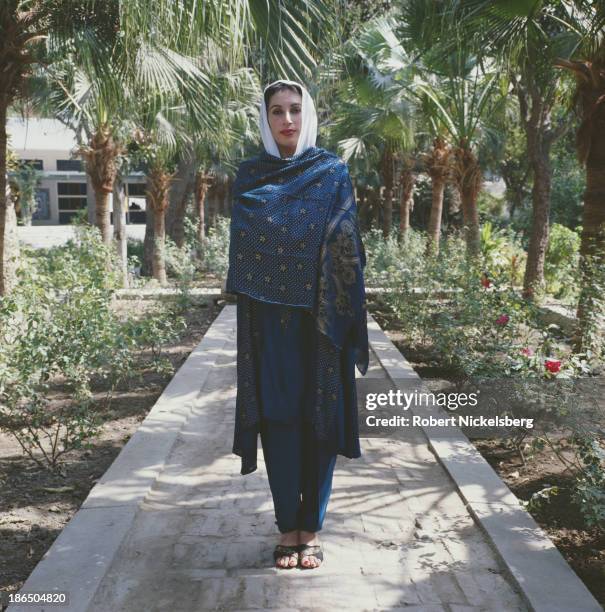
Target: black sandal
[(281, 550), (310, 550)]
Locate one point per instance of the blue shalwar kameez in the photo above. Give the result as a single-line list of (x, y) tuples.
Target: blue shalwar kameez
[(296, 265)]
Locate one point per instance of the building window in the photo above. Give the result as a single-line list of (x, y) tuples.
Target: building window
[(38, 164), (69, 165), (137, 189), (71, 189), (72, 198), (136, 203)]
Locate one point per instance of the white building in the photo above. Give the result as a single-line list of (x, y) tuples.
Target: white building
[(64, 188)]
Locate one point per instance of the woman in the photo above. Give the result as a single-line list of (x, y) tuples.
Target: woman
[(296, 264)]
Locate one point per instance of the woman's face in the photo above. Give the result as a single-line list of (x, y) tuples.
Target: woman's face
[(285, 120)]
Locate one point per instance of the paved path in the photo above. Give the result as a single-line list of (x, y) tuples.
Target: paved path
[(46, 236), (396, 534), (190, 533)]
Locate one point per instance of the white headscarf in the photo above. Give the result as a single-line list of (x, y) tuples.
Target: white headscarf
[(308, 131)]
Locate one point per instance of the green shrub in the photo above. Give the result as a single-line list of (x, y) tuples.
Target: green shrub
[(469, 316), (84, 261), (589, 492), (135, 251), (561, 262), (58, 326), (388, 260), (69, 333), (153, 332), (503, 255), (181, 264), (215, 252)]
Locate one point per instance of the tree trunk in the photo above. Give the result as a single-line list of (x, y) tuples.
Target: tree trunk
[(589, 336), (516, 201), (406, 203), (434, 229), (91, 202), (159, 185), (386, 168), (213, 202), (159, 230), (535, 106), (438, 166), (100, 156), (202, 182), (181, 188), (471, 221), (102, 220), (539, 152), (454, 201), (591, 303), (467, 174), (9, 243), (147, 263), (16, 56), (177, 217), (119, 220)]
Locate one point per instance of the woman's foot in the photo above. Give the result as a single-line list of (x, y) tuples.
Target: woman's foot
[(290, 560), (310, 538)]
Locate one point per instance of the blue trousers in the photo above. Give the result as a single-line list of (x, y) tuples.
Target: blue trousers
[(300, 475)]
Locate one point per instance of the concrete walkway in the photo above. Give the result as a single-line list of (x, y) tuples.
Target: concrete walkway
[(173, 526), (46, 236)]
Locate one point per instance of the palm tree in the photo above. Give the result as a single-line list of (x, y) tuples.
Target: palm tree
[(407, 180), (162, 136), (527, 53), (183, 186), (438, 167), (98, 103), (92, 105), (39, 32), (177, 132), (573, 36), (408, 46), (536, 102), (373, 111), (586, 23), (237, 95), (24, 25), (460, 94), (455, 93)]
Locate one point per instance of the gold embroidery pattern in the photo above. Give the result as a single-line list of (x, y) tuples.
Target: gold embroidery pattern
[(342, 253)]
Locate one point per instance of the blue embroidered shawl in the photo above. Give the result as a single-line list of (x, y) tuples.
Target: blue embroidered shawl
[(295, 241)]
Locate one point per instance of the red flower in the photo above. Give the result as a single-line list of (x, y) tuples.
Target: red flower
[(552, 365), (485, 280), (502, 319), (527, 352)]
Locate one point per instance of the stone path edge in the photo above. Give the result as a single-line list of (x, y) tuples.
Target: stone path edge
[(544, 579), (87, 545)]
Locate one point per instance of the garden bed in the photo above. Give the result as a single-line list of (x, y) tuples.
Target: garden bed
[(35, 503), (561, 519)]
